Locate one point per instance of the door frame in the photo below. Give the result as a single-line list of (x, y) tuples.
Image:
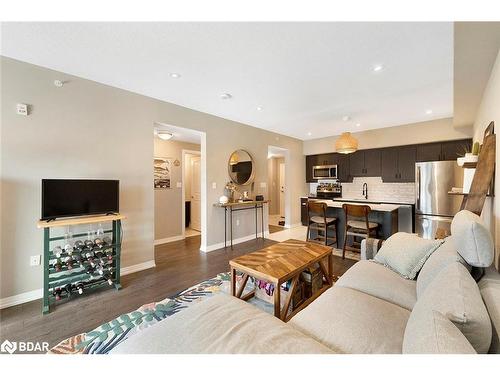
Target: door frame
[(183, 189), (288, 193)]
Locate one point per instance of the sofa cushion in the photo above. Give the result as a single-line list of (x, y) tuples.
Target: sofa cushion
[(406, 253), (350, 321), (220, 324), (490, 291), (433, 333), (439, 259), (472, 239), (455, 294), (379, 281)]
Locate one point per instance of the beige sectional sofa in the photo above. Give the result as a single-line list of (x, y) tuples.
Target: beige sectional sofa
[(370, 309)]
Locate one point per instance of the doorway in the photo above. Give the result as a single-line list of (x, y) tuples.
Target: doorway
[(180, 208), (277, 189), (192, 192)]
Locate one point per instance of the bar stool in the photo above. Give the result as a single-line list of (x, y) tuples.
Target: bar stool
[(360, 227), (316, 219)]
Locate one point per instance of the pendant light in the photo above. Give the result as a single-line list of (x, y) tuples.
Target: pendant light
[(346, 143)]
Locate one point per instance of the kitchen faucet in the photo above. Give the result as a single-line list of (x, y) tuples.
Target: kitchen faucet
[(365, 190)]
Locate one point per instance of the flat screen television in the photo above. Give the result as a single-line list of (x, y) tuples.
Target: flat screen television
[(65, 198)]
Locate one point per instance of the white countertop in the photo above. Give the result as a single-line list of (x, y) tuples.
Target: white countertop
[(383, 207), (365, 201)]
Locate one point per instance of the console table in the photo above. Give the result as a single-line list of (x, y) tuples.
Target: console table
[(241, 206)]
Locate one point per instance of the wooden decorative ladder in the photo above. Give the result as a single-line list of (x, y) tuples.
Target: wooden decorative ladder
[(482, 183)]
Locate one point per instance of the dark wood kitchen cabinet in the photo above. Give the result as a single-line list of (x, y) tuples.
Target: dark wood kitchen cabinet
[(303, 211), (325, 159), (343, 172), (365, 163), (448, 150), (454, 149), (341, 160), (357, 163), (393, 164), (398, 164), (311, 161)]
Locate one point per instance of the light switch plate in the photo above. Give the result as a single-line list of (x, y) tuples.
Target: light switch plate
[(179, 184), (22, 109), (35, 260), (263, 185), (214, 185)]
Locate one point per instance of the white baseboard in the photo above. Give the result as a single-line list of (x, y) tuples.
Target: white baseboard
[(21, 298), (38, 293), (137, 267), (220, 245), (299, 224), (161, 241)]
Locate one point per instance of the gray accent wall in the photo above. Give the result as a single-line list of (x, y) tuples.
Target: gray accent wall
[(89, 130)]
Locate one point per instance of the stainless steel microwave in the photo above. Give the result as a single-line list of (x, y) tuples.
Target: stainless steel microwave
[(324, 172)]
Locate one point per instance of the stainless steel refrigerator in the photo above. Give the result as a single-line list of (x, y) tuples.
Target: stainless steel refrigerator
[(434, 207)]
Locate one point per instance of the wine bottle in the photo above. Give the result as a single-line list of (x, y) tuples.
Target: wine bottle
[(58, 265), (99, 256), (69, 288), (57, 251), (109, 253), (69, 263), (89, 244), (80, 287), (79, 245), (90, 270), (99, 243), (68, 249), (108, 278), (107, 241), (57, 293)]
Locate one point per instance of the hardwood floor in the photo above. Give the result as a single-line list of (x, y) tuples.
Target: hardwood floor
[(179, 265), (275, 228)]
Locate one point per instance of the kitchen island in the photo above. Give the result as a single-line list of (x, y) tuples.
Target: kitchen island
[(385, 214)]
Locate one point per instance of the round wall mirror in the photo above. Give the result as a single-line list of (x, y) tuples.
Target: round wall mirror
[(241, 167)]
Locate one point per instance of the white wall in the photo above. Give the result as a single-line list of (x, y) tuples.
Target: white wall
[(489, 110), (89, 130), (422, 132)]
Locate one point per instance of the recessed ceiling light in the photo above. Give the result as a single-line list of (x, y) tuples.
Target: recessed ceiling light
[(226, 96), (259, 108), (346, 118), (378, 68), (175, 75), (358, 125), (309, 133), (164, 135), (428, 112)]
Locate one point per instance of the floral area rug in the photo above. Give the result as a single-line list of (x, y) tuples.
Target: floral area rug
[(104, 338)]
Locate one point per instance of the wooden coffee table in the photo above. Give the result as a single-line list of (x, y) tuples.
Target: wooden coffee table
[(279, 263)]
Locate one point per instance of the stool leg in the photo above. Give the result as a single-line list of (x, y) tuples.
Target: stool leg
[(307, 234), (345, 242)]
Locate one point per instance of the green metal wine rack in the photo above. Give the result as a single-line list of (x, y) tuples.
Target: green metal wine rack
[(72, 277)]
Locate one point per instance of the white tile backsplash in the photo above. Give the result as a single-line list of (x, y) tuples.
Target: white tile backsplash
[(377, 190)]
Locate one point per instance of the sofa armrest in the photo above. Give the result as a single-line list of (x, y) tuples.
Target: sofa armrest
[(370, 247)]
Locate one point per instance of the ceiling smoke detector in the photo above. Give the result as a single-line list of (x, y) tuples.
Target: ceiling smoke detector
[(226, 96)]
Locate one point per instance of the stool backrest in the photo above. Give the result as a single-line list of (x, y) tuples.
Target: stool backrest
[(356, 210), (316, 209)]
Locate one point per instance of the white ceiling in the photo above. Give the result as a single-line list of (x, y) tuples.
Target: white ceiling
[(305, 76)]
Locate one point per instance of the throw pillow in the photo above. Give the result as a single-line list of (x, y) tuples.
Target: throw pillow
[(406, 253)]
